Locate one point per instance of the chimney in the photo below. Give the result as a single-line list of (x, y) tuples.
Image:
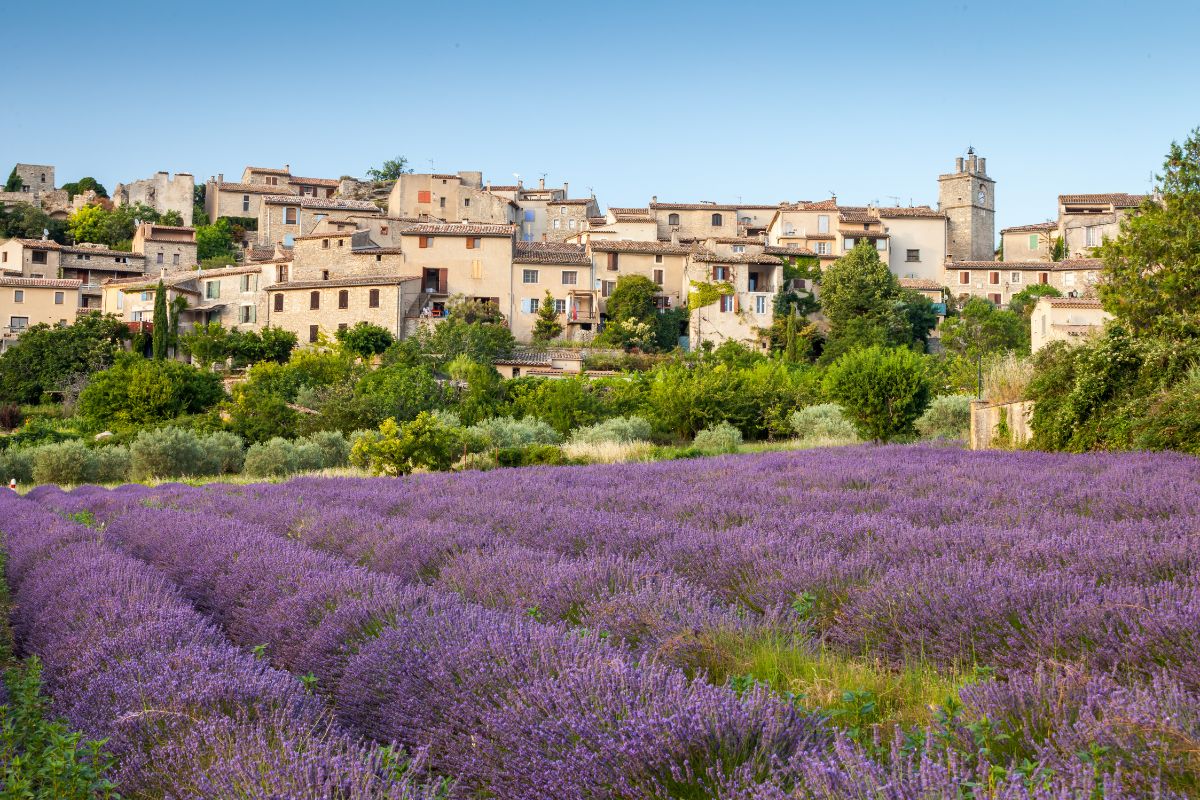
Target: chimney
[(544, 237), (220, 177), (541, 183), (675, 236), (566, 189), (958, 165), (287, 168), (653, 199), (971, 165), (983, 166), (489, 184)]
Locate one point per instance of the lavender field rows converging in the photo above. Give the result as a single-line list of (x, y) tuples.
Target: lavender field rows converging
[(864, 622)]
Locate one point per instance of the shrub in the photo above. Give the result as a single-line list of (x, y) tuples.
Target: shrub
[(822, 422), (424, 443), (619, 430), (335, 449), (506, 432), (476, 461), (273, 458), (720, 438), (1172, 420), (1007, 378), (948, 417), (361, 443), (64, 463), (165, 453), (882, 390), (17, 464), (309, 456), (364, 339), (10, 416), (135, 391), (224, 453), (530, 455), (112, 464)]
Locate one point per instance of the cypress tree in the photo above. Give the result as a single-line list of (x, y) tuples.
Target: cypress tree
[(162, 326)]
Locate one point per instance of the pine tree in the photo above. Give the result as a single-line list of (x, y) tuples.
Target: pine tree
[(547, 326), (162, 327)]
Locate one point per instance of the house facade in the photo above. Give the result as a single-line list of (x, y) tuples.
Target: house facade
[(998, 281), (1065, 319), (25, 302)]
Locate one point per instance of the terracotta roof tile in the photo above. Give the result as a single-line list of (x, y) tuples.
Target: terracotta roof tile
[(572, 201), (692, 207), (551, 253), (634, 218), (788, 251), (644, 212), (924, 212), (313, 181), (268, 170), (739, 240), (458, 229), (1116, 199), (45, 283), (355, 280), (1037, 226), (633, 246), (255, 188), (1043, 266), (38, 244), (1075, 302), (919, 283), (321, 203), (736, 258)]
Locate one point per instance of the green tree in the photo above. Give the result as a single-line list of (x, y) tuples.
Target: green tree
[(365, 340), (1058, 249), (424, 443), (110, 227), (137, 392), (216, 241), (918, 310), (1023, 301), (26, 221), (882, 390), (481, 397), (981, 329), (864, 304), (391, 169), (161, 333), (170, 217), (207, 344), (14, 182), (547, 326), (1152, 270), (631, 305), (480, 341), (85, 184), (48, 358)]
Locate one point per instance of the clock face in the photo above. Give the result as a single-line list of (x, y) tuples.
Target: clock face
[(982, 195)]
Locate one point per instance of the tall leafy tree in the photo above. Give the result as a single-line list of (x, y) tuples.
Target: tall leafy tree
[(1152, 270), (883, 391), (14, 182), (46, 358), (162, 325), (864, 304), (391, 169), (547, 326), (981, 329), (84, 184)]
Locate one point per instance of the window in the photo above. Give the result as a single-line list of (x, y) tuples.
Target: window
[(58, 298), (658, 258), (424, 196), (175, 259), (312, 333), (557, 224), (383, 230), (612, 262), (476, 268), (823, 223), (442, 202), (466, 202), (658, 277), (212, 290), (474, 242), (423, 241), (727, 303), (3, 258), (912, 255), (1091, 276), (343, 325), (571, 224), (37, 275), (289, 215), (281, 273), (739, 248), (1033, 241), (373, 299), (881, 245), (344, 298), (964, 279), (529, 276), (273, 181), (994, 297), (560, 306), (672, 219), (760, 304), (144, 296), (250, 283), (43, 177), (717, 221), (1092, 235), (158, 258), (18, 295), (39, 256), (606, 288), (529, 305), (1014, 277), (245, 202), (137, 316), (824, 248), (314, 300), (1043, 278), (247, 314), (570, 277), (994, 278), (848, 244), (720, 273), (279, 302), (324, 274), (18, 323), (1068, 279), (120, 299), (324, 244)]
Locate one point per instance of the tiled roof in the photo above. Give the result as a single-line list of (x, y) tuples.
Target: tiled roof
[(356, 280), (330, 235), (633, 218), (739, 240), (1052, 266), (788, 251), (856, 214), (38, 244), (254, 188), (376, 251), (633, 246), (1117, 199), (758, 207), (863, 235), (260, 252), (1074, 302), (319, 203), (1037, 226), (572, 201), (816, 237), (217, 271), (911, 211), (495, 187), (101, 251), (268, 170), (458, 229), (919, 283), (736, 258), (444, 176), (691, 207), (160, 227), (645, 212), (46, 283), (550, 253), (539, 357), (820, 205), (313, 181)]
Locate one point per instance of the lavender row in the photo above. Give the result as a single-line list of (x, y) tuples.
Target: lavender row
[(186, 715)]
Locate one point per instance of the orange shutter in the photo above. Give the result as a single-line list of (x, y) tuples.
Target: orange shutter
[(423, 196)]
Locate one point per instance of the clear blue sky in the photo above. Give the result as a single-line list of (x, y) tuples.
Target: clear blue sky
[(692, 101)]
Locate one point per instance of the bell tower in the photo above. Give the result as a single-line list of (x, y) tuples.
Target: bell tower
[(967, 198)]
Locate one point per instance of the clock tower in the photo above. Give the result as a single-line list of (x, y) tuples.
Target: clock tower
[(967, 198)]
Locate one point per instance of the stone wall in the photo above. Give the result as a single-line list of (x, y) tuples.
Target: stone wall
[(297, 314), (989, 423), (161, 192)]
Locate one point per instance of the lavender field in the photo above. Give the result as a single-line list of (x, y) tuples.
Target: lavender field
[(900, 622)]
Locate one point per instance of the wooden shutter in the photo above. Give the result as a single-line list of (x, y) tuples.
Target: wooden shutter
[(612, 262), (344, 298), (279, 302), (714, 273), (424, 196), (314, 300), (443, 280), (374, 298), (423, 241)]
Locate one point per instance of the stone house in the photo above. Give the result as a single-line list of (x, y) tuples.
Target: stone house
[(998, 281), (281, 218), (1086, 220), (557, 220), (25, 302), (165, 246), (470, 259), (132, 298), (312, 308), (238, 200), (665, 263), (1065, 319), (916, 241), (755, 277), (90, 264), (1029, 242), (161, 192), (36, 179), (565, 270), (694, 221), (450, 198), (633, 224)]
